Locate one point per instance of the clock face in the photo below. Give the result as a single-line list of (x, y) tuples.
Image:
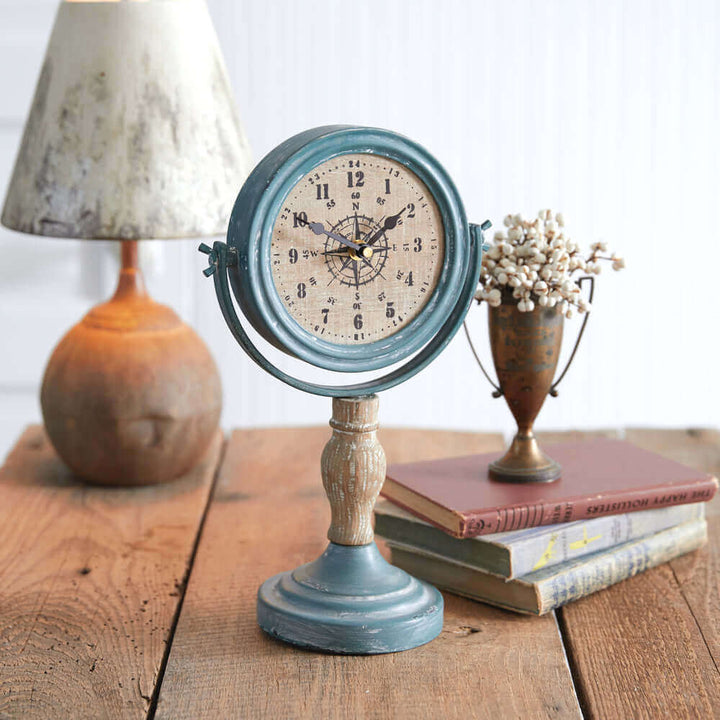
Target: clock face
[(357, 249)]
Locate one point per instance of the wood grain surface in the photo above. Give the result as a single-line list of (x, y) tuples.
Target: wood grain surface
[(92, 579), (649, 647), (90, 582), (269, 514)]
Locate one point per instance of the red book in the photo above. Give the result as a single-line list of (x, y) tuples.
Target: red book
[(600, 477)]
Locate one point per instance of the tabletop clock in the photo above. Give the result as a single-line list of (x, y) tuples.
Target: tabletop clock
[(348, 248)]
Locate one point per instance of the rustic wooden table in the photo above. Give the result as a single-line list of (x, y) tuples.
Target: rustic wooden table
[(141, 603)]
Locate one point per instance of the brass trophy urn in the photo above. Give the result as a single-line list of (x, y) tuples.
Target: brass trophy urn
[(525, 349), (527, 281)]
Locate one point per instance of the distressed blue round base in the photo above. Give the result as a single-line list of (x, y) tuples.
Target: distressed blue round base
[(350, 601)]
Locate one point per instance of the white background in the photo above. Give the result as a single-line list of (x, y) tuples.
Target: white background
[(607, 110)]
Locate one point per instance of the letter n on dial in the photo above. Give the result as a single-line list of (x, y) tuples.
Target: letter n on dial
[(357, 249)]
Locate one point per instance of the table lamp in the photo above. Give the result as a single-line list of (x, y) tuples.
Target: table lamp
[(132, 134)]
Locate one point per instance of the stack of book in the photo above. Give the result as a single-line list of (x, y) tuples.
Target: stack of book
[(616, 511)]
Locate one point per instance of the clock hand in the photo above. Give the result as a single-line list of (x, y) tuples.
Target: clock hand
[(365, 254), (390, 222), (356, 272), (349, 258), (319, 229), (358, 235)]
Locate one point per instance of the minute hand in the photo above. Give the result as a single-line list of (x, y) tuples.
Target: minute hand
[(319, 229), (390, 222)]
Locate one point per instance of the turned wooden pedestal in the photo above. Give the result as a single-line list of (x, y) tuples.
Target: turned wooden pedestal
[(350, 600)]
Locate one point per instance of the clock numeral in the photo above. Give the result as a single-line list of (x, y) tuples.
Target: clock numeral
[(301, 290), (293, 255), (358, 322), (411, 210), (325, 312), (390, 310), (358, 180), (409, 280), (322, 191), (380, 200), (300, 218), (418, 244), (387, 186)]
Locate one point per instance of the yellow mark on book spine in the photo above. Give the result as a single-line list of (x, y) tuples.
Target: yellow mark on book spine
[(579, 544), (548, 554)]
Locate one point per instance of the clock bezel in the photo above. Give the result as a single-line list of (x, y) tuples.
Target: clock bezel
[(250, 233)]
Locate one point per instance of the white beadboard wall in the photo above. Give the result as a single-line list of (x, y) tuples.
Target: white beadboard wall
[(607, 110)]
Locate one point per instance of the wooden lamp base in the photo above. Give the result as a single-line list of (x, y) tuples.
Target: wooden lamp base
[(131, 395), (350, 600)]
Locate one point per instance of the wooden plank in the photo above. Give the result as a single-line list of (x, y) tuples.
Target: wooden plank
[(648, 647), (697, 574), (546, 437), (90, 582), (269, 514)]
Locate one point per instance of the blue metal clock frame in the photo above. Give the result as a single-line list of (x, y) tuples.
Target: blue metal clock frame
[(246, 261)]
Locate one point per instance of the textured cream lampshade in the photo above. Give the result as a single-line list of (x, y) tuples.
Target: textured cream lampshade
[(132, 134)]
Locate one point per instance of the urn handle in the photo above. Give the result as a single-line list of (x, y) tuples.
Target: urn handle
[(497, 390), (553, 388)]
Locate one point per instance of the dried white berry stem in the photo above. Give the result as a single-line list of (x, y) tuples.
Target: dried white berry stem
[(534, 262)]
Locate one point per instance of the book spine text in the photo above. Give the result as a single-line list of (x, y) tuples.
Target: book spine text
[(562, 543), (523, 516), (607, 568)]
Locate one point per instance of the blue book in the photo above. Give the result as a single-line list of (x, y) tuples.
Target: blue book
[(549, 588), (517, 553)]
